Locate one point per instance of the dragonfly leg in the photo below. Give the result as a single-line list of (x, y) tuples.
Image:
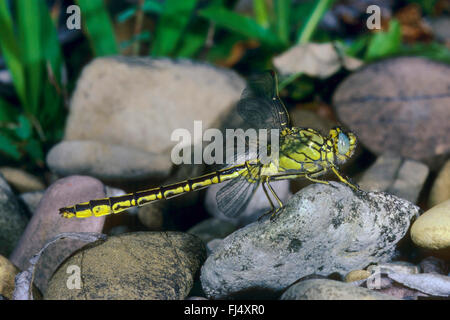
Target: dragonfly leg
[(264, 181), (344, 180), (280, 204)]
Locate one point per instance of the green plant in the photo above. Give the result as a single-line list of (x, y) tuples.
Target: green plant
[(32, 53)]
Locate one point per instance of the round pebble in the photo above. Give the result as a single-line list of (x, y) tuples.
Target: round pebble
[(357, 275), (432, 229), (441, 187), (399, 105), (133, 266), (8, 272)]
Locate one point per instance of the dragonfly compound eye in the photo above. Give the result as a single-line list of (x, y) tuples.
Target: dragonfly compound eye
[(343, 143)]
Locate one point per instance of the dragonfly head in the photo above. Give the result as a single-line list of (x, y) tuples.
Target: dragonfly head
[(344, 143)]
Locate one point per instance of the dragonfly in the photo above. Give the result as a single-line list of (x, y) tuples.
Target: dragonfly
[(303, 153)]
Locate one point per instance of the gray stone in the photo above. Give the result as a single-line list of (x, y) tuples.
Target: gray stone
[(212, 228), (441, 28), (396, 266), (433, 265), (322, 289), (399, 105), (31, 200), (410, 180), (107, 161), (381, 175), (139, 102), (20, 180), (323, 228), (395, 175), (212, 245), (136, 266), (47, 223), (152, 215), (13, 219)]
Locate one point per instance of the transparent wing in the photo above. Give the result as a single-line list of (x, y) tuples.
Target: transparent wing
[(260, 104), (234, 196)]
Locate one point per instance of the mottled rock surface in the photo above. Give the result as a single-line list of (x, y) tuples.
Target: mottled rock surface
[(323, 228), (47, 223), (106, 161), (212, 228), (7, 273), (31, 200), (13, 219), (145, 100), (395, 175), (323, 289), (136, 266), (399, 105)]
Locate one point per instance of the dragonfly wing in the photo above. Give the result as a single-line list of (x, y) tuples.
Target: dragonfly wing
[(260, 104), (235, 195)]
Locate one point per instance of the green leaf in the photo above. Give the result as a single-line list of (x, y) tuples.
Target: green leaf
[(7, 112), (11, 52), (240, 24), (143, 36), (150, 6), (434, 51), (52, 100), (98, 27), (261, 13), (29, 26), (192, 42), (24, 129), (306, 32), (8, 147), (283, 10), (51, 47), (34, 149), (357, 47), (171, 25), (222, 50), (385, 44)]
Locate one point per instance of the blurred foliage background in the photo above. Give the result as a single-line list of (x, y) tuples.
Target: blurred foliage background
[(40, 58)]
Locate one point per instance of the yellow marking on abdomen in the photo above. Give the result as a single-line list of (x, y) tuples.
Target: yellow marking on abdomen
[(101, 207)]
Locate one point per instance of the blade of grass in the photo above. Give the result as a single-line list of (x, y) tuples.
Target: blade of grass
[(150, 6), (7, 112), (282, 10), (316, 15), (8, 147), (29, 26), (192, 41), (24, 129), (171, 25), (434, 50), (260, 12), (52, 100), (98, 27), (240, 24), (51, 48), (384, 44), (11, 53)]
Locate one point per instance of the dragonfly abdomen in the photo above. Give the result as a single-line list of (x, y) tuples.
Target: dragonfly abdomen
[(105, 206)]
